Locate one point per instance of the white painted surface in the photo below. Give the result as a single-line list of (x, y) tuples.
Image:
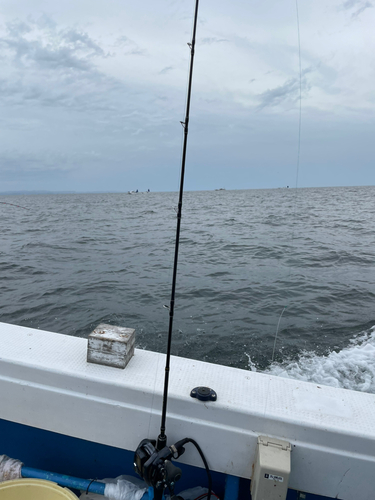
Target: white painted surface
[(46, 382)]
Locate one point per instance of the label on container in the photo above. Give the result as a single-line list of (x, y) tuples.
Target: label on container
[(274, 478)]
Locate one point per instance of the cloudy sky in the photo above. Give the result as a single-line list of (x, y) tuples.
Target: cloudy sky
[(92, 93)]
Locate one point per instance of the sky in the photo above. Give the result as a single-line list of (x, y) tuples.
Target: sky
[(92, 93)]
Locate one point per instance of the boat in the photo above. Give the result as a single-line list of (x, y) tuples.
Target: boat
[(61, 414), (74, 413)]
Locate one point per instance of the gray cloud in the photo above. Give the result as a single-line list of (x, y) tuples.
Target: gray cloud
[(44, 21), (77, 81), (47, 66), (49, 48), (166, 70), (359, 5), (288, 92), (17, 28), (134, 48), (361, 9), (81, 41), (55, 94), (122, 40), (81, 93), (29, 162), (211, 40), (350, 3), (136, 52), (274, 97)]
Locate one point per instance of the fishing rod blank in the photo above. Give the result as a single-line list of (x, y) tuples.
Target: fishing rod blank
[(152, 463), (162, 439)]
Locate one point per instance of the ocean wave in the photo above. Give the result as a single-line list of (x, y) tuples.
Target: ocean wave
[(351, 368)]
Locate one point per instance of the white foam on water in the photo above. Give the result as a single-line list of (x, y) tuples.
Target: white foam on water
[(351, 368)]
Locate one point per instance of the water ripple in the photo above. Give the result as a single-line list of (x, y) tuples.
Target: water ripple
[(246, 258)]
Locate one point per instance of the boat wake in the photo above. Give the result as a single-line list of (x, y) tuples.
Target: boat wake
[(351, 368)]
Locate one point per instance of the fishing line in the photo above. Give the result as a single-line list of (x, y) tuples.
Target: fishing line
[(297, 167), (277, 331), (300, 95), (13, 205)]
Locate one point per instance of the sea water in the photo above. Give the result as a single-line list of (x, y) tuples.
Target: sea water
[(254, 265)]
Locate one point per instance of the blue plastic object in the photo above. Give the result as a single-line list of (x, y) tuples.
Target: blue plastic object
[(73, 482), (69, 481)]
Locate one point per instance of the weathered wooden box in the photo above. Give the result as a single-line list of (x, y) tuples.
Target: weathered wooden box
[(111, 345)]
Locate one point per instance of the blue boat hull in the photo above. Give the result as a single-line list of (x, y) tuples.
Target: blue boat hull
[(55, 452)]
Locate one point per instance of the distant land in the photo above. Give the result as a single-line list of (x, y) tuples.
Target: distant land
[(9, 193), (5, 193), (14, 193)]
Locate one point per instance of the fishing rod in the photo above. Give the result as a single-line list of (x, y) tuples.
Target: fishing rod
[(152, 460), (162, 438)]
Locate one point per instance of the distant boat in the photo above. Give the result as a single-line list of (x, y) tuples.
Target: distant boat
[(220, 189)]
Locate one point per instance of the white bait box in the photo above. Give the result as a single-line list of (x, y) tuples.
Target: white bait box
[(111, 345)]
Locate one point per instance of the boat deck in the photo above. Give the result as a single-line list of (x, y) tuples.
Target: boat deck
[(46, 384)]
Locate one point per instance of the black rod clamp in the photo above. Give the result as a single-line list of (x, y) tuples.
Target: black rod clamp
[(204, 394)]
